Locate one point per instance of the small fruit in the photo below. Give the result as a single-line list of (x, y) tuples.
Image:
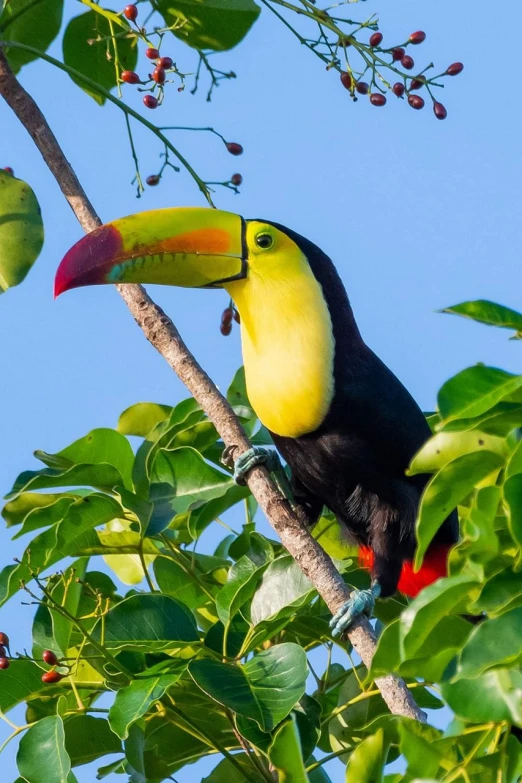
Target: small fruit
[(234, 148), (152, 180), (398, 89), (415, 101), (2, 651), (158, 74), (439, 110), (376, 39), (225, 329), (226, 316), (131, 12), (376, 99), (150, 101), (49, 657), (454, 69), (237, 317), (52, 677), (397, 53), (407, 62), (344, 42), (362, 88), (346, 80), (418, 37), (236, 179), (417, 83), (152, 54), (166, 62), (5, 663), (4, 639), (130, 77)]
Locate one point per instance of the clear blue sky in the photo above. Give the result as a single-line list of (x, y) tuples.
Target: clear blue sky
[(417, 214)]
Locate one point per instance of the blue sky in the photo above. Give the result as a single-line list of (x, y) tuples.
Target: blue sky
[(417, 214)]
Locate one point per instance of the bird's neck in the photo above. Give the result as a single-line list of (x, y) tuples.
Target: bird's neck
[(288, 350)]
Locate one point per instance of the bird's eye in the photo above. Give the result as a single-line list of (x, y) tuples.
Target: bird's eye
[(264, 241)]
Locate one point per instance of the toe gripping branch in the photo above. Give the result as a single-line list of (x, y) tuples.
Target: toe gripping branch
[(360, 602), (258, 455)]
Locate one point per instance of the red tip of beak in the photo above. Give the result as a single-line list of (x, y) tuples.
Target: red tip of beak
[(89, 260)]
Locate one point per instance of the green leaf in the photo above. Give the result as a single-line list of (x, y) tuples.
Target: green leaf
[(103, 59), (367, 760), (175, 580), (135, 699), (201, 517), (21, 230), (191, 478), (492, 643), (481, 541), (486, 312), (474, 391), (494, 696), (283, 585), (501, 591), (227, 772), (87, 738), (215, 24), (513, 497), (446, 489), (418, 745), (22, 679), (42, 757), (264, 689), (141, 418), (240, 585), (27, 22), (285, 754), (445, 447), (149, 622), (333, 539)]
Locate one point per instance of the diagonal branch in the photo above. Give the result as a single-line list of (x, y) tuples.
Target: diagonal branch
[(163, 335)]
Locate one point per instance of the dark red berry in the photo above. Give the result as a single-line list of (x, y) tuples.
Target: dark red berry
[(346, 80), (236, 179), (398, 89), (407, 62), (152, 54), (415, 101), (5, 663), (226, 316), (237, 317), (52, 677), (165, 62), (4, 639), (225, 329), (49, 657), (362, 88), (2, 651), (376, 39), (439, 110), (454, 69), (131, 12), (129, 77), (152, 180), (150, 101), (376, 99), (344, 42), (158, 74), (234, 148), (397, 53), (417, 83), (418, 37)]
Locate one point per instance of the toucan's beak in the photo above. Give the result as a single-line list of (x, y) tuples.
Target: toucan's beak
[(190, 247)]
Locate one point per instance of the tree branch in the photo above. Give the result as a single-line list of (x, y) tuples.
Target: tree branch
[(163, 335)]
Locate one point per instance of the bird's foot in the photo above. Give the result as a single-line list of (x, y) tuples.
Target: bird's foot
[(257, 455), (360, 602)]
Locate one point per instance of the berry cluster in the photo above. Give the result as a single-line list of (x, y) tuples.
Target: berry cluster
[(398, 57), (228, 315), (4, 647), (156, 80), (49, 677), (235, 180)]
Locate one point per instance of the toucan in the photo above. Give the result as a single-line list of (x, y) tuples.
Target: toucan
[(341, 420)]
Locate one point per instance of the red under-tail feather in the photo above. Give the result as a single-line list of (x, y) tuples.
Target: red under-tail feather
[(435, 565)]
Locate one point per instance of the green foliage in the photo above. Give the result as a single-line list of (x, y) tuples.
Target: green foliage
[(215, 24), (21, 230), (29, 22)]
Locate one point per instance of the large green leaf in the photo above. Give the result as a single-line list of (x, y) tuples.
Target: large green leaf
[(28, 22), (418, 745), (241, 582), (190, 477), (239, 772), (141, 418), (42, 757), (214, 24), (486, 312), (367, 760), (285, 754), (283, 585), (89, 48), (494, 696), (513, 497), (493, 643), (22, 679), (87, 738), (474, 391), (21, 230), (447, 446), (264, 689)]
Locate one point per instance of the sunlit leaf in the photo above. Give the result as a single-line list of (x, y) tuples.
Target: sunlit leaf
[(21, 229), (486, 312), (42, 757), (27, 22)]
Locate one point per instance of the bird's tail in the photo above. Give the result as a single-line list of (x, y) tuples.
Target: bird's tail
[(411, 582)]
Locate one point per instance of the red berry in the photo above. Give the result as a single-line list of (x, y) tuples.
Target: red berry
[(5, 663), (234, 148), (237, 317), (150, 101), (397, 53), (417, 83), (158, 74), (376, 39), (376, 99), (418, 37), (4, 639), (131, 12), (454, 69), (152, 180), (346, 80), (9, 170), (407, 62), (166, 62), (152, 54), (52, 677), (225, 329), (398, 89), (236, 179), (439, 110), (49, 657), (415, 101), (362, 88), (226, 316), (129, 77)]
